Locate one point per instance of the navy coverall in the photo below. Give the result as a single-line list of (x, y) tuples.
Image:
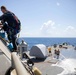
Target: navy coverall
[(11, 25)]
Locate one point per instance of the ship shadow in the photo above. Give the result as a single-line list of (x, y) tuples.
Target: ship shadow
[(37, 60)]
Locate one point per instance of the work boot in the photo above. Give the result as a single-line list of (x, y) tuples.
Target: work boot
[(13, 50)]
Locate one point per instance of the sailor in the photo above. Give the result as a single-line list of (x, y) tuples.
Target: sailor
[(49, 49), (55, 53), (58, 53), (11, 25)]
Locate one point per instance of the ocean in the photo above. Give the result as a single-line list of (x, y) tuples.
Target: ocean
[(48, 41)]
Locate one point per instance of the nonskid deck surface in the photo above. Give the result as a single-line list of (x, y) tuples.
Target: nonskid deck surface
[(52, 66), (46, 67)]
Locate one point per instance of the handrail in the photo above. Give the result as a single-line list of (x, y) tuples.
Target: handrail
[(17, 65)]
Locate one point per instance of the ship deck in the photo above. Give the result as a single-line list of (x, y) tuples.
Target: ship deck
[(47, 66)]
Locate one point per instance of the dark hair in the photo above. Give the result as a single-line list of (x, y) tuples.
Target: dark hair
[(3, 7)]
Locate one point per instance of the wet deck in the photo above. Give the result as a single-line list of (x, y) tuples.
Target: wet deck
[(46, 67)]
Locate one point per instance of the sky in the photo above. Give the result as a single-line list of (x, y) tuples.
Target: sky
[(44, 18)]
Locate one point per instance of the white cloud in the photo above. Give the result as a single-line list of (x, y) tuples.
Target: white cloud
[(47, 25), (70, 28), (70, 31), (58, 4), (47, 28), (50, 29)]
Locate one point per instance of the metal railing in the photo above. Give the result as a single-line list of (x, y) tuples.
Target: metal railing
[(17, 65)]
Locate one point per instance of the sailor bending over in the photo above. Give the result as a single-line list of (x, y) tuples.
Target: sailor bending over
[(11, 25)]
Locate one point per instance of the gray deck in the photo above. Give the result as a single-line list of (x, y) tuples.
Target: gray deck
[(46, 67)]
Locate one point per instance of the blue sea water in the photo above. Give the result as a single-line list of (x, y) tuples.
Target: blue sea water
[(48, 41)]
